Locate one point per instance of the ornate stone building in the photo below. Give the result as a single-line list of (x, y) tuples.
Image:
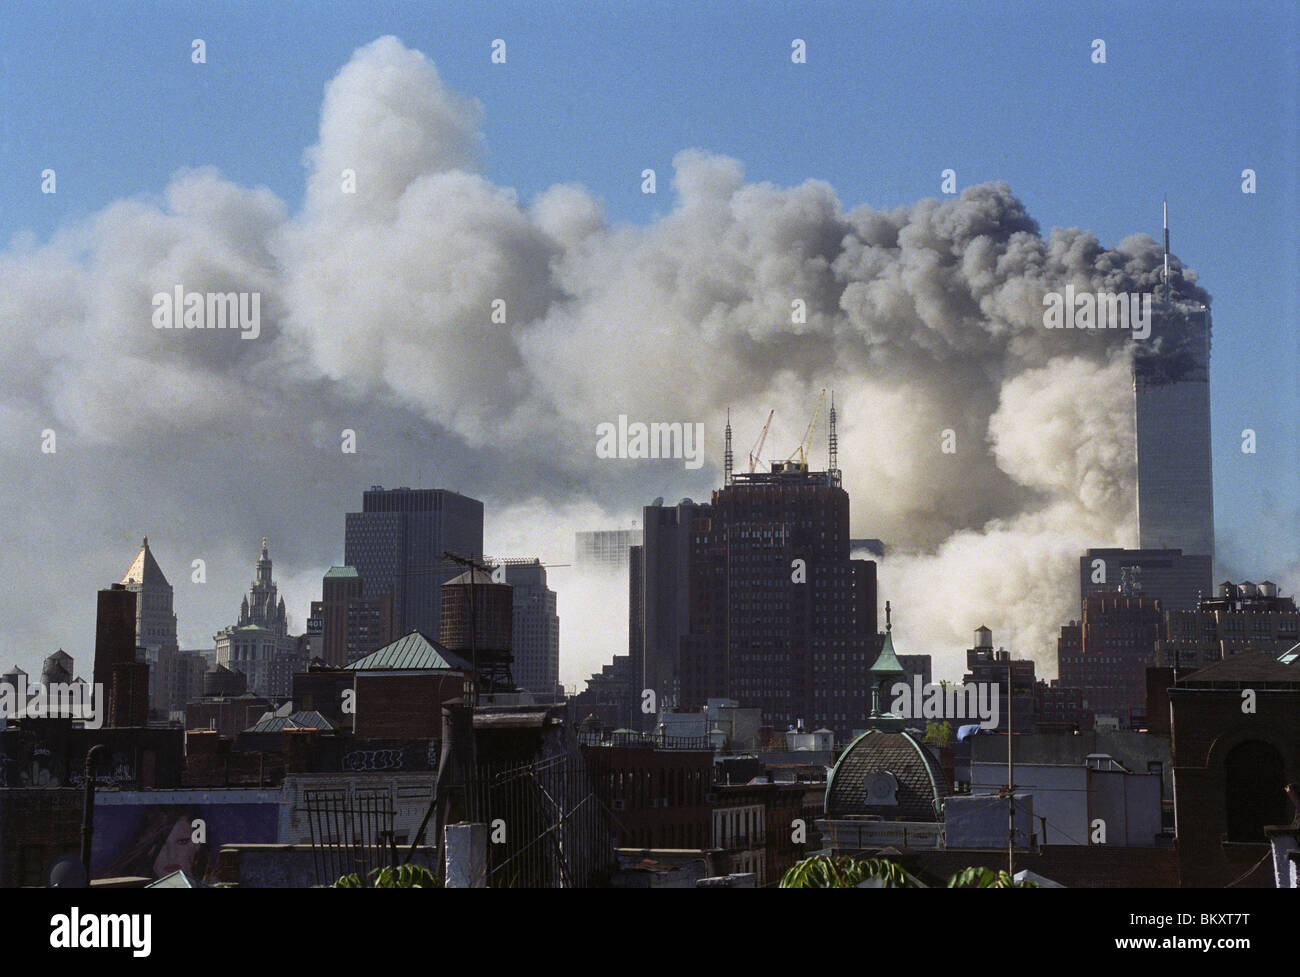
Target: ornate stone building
[(260, 645)]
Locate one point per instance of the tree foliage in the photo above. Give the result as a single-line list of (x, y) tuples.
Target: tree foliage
[(393, 877), (979, 877), (938, 733), (843, 872)]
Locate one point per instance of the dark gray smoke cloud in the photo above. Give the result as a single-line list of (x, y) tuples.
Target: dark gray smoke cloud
[(377, 316)]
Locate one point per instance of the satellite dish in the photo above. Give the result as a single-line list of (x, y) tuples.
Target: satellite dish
[(67, 872)]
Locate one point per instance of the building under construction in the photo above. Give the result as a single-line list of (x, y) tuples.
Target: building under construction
[(780, 617)]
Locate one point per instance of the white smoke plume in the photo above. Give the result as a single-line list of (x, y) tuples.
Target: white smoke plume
[(378, 317)]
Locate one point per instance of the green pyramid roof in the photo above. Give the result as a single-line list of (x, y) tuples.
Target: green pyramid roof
[(887, 663)]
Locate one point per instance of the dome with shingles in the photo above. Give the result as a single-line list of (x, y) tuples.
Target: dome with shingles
[(920, 781)]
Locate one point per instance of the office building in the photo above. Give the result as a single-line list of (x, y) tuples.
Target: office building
[(1106, 655), (345, 626), (780, 617), (1178, 580), (1245, 617), (1171, 384), (659, 599), (396, 543), (605, 549), (536, 638)]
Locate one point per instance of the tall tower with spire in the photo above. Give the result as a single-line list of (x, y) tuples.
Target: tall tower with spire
[(261, 606), (260, 645), (155, 622), (1171, 381), (728, 459)]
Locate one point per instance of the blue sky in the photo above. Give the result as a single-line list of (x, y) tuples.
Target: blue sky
[(891, 94)]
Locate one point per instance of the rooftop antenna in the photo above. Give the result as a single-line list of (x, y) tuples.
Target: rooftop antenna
[(1166, 251), (728, 461), (833, 448)]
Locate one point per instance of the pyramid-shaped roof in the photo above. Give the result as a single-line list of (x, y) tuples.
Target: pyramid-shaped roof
[(477, 576), (411, 652), (887, 662), (144, 568)]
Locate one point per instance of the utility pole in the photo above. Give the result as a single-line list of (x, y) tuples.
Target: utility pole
[(1011, 780), (88, 806)]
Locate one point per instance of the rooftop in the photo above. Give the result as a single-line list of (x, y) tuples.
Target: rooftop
[(411, 652)]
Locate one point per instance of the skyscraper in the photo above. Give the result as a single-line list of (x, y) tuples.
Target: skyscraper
[(1171, 392), (536, 639), (155, 624), (396, 542), (1175, 490), (1178, 580), (659, 599), (604, 549), (780, 617)]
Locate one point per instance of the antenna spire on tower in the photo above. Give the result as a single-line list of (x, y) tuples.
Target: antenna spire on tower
[(833, 447), (727, 458), (1166, 251)]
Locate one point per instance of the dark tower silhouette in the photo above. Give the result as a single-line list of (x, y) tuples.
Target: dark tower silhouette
[(114, 632)]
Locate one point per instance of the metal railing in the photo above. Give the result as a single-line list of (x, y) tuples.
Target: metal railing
[(546, 826), (351, 832)]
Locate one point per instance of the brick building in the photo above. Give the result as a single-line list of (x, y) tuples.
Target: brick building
[(656, 798), (754, 825), (1236, 745), (1105, 655), (1244, 617)]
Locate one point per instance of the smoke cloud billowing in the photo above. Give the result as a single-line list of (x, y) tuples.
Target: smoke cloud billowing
[(377, 317)]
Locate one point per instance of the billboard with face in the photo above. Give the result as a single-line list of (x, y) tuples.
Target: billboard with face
[(153, 833)]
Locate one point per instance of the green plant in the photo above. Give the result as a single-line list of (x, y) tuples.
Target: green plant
[(843, 872), (938, 734), (393, 877), (979, 877)]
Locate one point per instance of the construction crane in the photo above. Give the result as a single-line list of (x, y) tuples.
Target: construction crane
[(753, 455), (802, 450)]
